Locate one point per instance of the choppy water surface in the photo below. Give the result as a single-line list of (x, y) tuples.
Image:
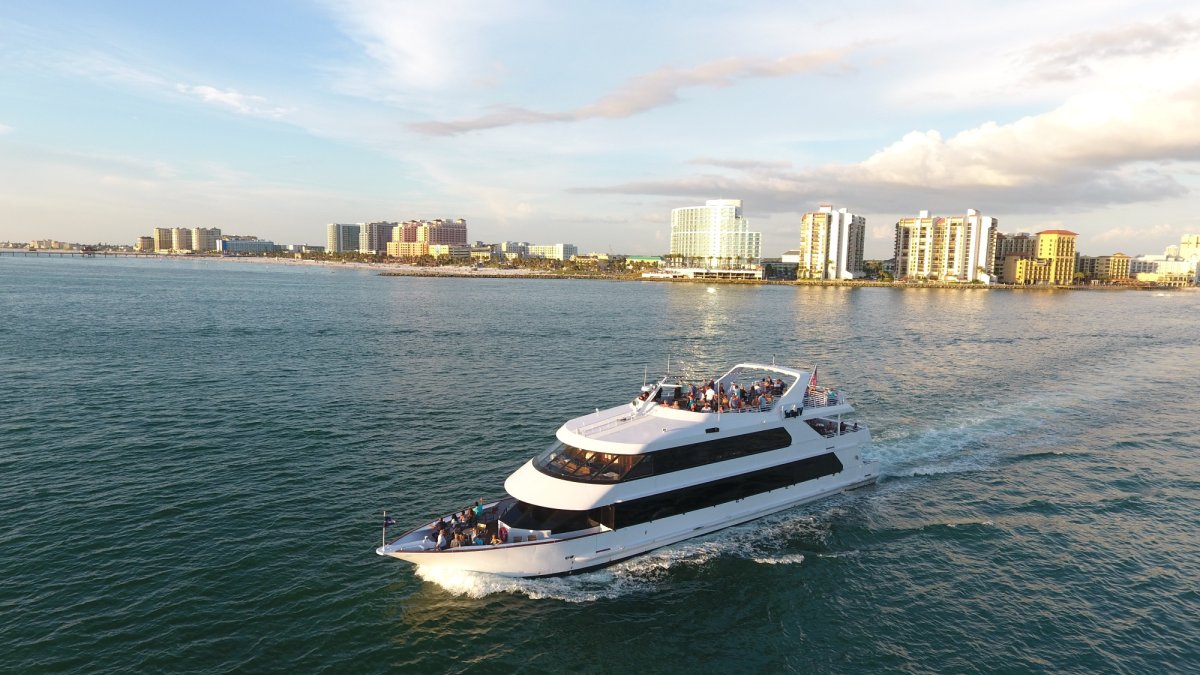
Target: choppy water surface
[(194, 456)]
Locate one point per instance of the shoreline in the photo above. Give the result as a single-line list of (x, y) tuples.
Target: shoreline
[(398, 269)]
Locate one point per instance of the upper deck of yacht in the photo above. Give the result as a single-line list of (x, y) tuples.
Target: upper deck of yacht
[(675, 408)]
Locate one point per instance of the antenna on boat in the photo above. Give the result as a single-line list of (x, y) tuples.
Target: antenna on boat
[(645, 375), (772, 359), (668, 364), (383, 536)]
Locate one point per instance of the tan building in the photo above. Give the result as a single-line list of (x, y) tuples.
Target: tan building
[(1052, 260), (205, 238), (407, 249), (449, 250), (162, 239), (1057, 247), (181, 238), (1021, 244), (144, 244), (1113, 267), (1023, 270)]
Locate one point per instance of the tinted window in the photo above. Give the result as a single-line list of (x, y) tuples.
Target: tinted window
[(725, 490), (587, 466)]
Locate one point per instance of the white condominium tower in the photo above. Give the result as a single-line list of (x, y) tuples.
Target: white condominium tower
[(957, 248), (341, 237), (831, 244), (714, 235), (205, 238)]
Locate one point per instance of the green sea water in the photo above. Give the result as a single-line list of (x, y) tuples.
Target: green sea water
[(194, 456)]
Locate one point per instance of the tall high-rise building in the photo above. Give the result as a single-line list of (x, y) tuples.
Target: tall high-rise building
[(957, 248), (1057, 247), (205, 238), (1052, 261), (831, 244), (443, 232), (342, 237), (714, 235), (1021, 244), (406, 232), (181, 238), (163, 239), (373, 238)]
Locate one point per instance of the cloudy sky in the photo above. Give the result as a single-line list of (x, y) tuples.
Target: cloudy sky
[(587, 122)]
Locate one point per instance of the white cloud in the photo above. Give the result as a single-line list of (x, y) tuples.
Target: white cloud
[(1087, 132), (419, 44), (246, 104), (646, 92), (1081, 54), (1104, 148), (4, 129), (1132, 232)]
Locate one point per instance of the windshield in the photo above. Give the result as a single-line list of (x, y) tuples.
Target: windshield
[(589, 466)]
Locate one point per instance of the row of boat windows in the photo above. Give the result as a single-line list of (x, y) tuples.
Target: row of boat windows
[(667, 504), (589, 466)]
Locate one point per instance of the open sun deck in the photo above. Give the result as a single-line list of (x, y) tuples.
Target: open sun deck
[(677, 402)]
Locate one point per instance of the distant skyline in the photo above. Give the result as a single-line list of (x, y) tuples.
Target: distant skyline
[(587, 122)]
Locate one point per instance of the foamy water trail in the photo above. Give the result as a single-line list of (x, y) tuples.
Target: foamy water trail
[(793, 559), (963, 444)]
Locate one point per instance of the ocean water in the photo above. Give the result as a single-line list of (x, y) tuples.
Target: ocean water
[(195, 454)]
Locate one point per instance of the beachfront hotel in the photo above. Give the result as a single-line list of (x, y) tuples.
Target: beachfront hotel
[(1052, 261), (553, 251), (1113, 267), (162, 239), (373, 238), (955, 248), (342, 237), (714, 236), (831, 244), (205, 238), (415, 238)]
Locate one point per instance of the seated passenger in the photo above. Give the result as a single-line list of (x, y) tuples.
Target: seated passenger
[(477, 540), (441, 540), (495, 540)]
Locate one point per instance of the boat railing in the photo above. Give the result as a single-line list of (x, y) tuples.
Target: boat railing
[(604, 424), (823, 398)]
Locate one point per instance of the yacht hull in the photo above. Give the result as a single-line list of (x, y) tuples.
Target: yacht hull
[(575, 555)]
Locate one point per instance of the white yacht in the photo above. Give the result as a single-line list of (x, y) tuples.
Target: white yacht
[(629, 479)]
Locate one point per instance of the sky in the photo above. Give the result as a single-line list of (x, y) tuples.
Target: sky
[(586, 122)]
